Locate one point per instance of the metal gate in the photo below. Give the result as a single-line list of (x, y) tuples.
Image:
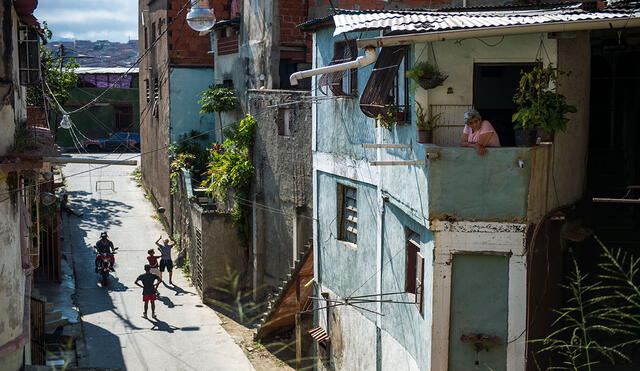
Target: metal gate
[(38, 346), (197, 261)]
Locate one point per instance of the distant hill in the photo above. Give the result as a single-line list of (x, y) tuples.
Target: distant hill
[(101, 53)]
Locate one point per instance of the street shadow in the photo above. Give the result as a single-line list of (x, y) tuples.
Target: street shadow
[(160, 325), (178, 290), (115, 285), (103, 348), (167, 302)]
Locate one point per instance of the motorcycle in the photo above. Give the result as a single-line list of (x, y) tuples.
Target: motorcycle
[(104, 261)]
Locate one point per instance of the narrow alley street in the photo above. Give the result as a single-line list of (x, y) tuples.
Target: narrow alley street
[(187, 335)]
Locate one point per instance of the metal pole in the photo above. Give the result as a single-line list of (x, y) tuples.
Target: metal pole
[(79, 160)]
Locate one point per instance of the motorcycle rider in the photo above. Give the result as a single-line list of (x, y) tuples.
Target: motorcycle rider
[(105, 246)]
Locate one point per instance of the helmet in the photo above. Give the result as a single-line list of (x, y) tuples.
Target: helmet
[(104, 235)]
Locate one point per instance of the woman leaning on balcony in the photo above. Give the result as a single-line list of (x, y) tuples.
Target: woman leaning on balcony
[(478, 133)]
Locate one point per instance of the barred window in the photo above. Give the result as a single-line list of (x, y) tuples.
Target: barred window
[(342, 83), (29, 55), (347, 214), (387, 90)]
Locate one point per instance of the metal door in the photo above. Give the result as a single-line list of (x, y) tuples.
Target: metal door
[(197, 266), (479, 312), (38, 350)]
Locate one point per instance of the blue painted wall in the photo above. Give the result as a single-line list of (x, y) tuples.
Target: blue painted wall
[(184, 87)]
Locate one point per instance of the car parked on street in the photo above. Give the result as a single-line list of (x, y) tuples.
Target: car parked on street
[(120, 141)]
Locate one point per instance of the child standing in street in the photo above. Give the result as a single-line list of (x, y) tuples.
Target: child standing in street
[(149, 289), (155, 268), (165, 261)]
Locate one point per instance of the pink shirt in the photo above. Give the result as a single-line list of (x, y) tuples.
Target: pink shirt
[(485, 127)]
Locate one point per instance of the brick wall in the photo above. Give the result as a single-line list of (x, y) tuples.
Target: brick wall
[(228, 45), (292, 13), (186, 46)]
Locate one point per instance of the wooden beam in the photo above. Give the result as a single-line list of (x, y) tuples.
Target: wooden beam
[(80, 160), (396, 163), (616, 200), (385, 145)]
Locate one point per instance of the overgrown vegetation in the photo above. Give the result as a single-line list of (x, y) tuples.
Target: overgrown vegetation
[(230, 169), (600, 322), (539, 103), (58, 72), (218, 99)]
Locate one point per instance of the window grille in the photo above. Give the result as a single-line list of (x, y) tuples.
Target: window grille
[(347, 213), (386, 93), (29, 55), (342, 83), (147, 89)]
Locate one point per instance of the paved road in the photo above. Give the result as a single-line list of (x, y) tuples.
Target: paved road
[(186, 336)]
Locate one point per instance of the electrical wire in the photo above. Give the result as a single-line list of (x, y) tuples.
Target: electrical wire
[(126, 73)]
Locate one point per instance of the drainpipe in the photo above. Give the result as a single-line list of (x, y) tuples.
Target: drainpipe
[(419, 38), (363, 60)]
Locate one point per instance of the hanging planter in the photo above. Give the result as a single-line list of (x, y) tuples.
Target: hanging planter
[(427, 75)]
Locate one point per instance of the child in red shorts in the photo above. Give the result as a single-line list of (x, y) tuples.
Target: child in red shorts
[(149, 287)]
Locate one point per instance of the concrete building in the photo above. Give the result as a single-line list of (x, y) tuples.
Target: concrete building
[(116, 110), (174, 69), (440, 251), (22, 147)]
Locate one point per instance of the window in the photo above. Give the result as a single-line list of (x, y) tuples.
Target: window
[(347, 214), (284, 118), (156, 89), (147, 89), (342, 83), (29, 55), (146, 38), (414, 267), (387, 91)]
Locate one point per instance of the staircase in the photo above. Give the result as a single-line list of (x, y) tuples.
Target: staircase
[(280, 305), (58, 348)]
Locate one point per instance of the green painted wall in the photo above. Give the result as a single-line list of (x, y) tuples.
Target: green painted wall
[(479, 305), (471, 187), (98, 121)]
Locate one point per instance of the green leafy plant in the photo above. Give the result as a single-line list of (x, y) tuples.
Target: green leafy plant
[(59, 74), (218, 99), (389, 118), (427, 75), (230, 169), (425, 121), (539, 103)]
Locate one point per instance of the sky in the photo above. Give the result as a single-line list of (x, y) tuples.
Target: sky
[(114, 20)]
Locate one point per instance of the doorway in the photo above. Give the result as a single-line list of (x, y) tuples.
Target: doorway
[(494, 85)]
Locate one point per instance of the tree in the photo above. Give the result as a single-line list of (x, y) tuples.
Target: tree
[(58, 73)]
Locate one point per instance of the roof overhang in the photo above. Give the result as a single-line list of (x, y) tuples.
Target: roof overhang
[(570, 26)]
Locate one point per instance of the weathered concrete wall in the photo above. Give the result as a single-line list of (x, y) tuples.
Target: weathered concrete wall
[(570, 147), (154, 128), (222, 251), (12, 275), (283, 180), (186, 84), (258, 48)]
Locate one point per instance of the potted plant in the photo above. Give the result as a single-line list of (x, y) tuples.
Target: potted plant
[(427, 75), (425, 124), (541, 109)]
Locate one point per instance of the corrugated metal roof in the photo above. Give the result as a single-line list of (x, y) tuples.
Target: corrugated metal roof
[(104, 70), (428, 20)]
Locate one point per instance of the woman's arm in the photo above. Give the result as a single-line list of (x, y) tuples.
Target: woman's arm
[(464, 142)]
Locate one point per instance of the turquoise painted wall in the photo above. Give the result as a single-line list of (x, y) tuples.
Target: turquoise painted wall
[(184, 87), (489, 187), (404, 322), (343, 267)]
